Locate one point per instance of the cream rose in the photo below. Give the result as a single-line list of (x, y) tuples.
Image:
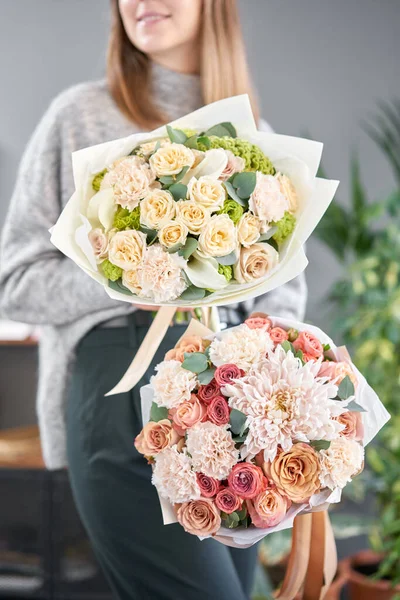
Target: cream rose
[(208, 192), (267, 201), (193, 215), (171, 159), (157, 208), (130, 280), (148, 147), (126, 249), (248, 229), (255, 262), (99, 242), (199, 517), (173, 233), (218, 238), (289, 191), (155, 437)]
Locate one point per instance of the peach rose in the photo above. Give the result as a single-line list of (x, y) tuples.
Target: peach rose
[(190, 343), (337, 371), (246, 480), (295, 472), (308, 344), (155, 437), (354, 428), (187, 414), (227, 501), (259, 323), (278, 335), (199, 517), (268, 508)]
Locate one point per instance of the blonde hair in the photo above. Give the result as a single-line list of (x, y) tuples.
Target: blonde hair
[(224, 70)]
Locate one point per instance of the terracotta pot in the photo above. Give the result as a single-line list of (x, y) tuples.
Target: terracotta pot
[(361, 586), (339, 582)]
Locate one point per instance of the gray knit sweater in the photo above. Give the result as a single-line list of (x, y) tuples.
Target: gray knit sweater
[(41, 286)]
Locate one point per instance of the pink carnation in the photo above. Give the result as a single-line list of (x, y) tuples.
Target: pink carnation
[(278, 335), (218, 411), (258, 323), (227, 501), (209, 487), (309, 345), (268, 508), (246, 480), (208, 392), (227, 373)]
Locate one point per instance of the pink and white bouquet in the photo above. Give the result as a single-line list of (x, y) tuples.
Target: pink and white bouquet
[(205, 211), (247, 428)]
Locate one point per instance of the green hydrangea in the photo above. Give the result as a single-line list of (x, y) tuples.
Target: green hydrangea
[(125, 219), (285, 227), (188, 132), (226, 271), (232, 209), (254, 158), (97, 179), (112, 272)]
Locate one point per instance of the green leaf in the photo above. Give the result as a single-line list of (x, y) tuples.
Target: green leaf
[(167, 180), (158, 413), (195, 361), (191, 142), (205, 141), (326, 347), (244, 184), (232, 194), (346, 388), (178, 190), (206, 376), (176, 135), (227, 260), (288, 346), (355, 407), (117, 286), (237, 422), (181, 174), (188, 248), (225, 129), (193, 293), (150, 233), (320, 444), (242, 514), (268, 234)]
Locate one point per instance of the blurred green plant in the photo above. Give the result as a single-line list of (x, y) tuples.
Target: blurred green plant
[(365, 238)]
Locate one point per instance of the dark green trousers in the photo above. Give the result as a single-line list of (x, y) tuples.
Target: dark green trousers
[(111, 483)]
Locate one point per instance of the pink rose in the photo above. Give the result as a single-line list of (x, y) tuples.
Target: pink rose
[(227, 501), (218, 411), (268, 508), (235, 164), (247, 480), (227, 373), (278, 335), (209, 487), (187, 414), (99, 242), (190, 343), (258, 323), (155, 437), (206, 393), (337, 371), (354, 428), (309, 345), (199, 517)]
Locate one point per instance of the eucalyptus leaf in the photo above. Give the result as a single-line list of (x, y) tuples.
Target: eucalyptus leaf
[(150, 233), (191, 142), (320, 445), (118, 286), (232, 194), (195, 361), (174, 249), (244, 184), (242, 514), (272, 243), (176, 135), (237, 421), (346, 388), (288, 347), (268, 234), (207, 351), (227, 260), (355, 407), (206, 376), (205, 141), (167, 180), (181, 174), (158, 413), (188, 248), (239, 439), (178, 190), (193, 293), (225, 129)]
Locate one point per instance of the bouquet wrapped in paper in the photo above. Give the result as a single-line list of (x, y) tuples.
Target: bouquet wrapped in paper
[(248, 428)]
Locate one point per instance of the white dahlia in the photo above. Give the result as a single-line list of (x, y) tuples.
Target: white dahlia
[(212, 450), (340, 462), (172, 384), (173, 476), (243, 347)]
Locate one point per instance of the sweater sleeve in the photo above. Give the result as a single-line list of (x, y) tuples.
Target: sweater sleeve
[(38, 284)]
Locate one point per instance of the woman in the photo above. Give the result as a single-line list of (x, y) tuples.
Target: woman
[(166, 58)]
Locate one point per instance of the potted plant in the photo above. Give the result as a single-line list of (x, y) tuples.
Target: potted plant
[(365, 238)]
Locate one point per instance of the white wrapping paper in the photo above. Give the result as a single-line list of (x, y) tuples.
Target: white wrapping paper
[(374, 419)]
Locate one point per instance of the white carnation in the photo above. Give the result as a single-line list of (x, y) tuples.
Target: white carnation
[(172, 384), (173, 476), (243, 347), (212, 450), (340, 462)]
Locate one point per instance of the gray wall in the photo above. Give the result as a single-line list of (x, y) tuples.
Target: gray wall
[(320, 66)]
